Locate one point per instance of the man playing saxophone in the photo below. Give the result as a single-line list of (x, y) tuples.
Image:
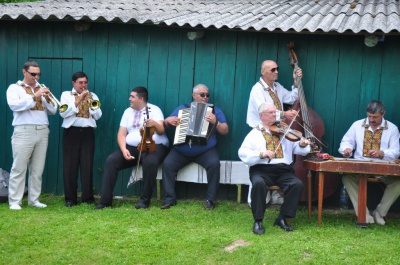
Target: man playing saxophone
[(80, 116)]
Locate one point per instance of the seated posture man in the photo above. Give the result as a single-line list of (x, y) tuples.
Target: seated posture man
[(205, 155), (128, 139), (372, 138), (269, 157)]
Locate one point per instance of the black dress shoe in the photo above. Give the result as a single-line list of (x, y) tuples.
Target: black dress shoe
[(281, 222), (167, 206), (100, 207), (258, 228), (141, 205), (69, 204), (210, 205)]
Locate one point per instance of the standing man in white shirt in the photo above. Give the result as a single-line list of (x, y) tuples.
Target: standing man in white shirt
[(267, 90), (372, 138), (31, 105), (78, 139)]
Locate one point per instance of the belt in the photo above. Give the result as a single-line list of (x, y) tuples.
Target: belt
[(33, 127)]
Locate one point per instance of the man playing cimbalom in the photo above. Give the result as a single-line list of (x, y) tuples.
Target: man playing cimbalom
[(267, 90), (269, 157), (205, 155), (31, 106), (82, 111), (372, 138)]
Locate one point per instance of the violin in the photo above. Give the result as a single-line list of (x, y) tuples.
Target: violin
[(281, 128), (147, 143)]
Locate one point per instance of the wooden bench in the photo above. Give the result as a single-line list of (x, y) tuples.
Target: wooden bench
[(231, 172)]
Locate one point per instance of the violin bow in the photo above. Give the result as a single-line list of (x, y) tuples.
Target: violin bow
[(284, 135)]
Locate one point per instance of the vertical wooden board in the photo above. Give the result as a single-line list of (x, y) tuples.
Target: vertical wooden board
[(58, 40), (205, 60), (390, 78), (158, 57), (68, 42), (140, 57), (326, 82), (89, 57), (225, 85), (46, 40), (173, 70), (244, 81), (371, 75), (267, 49), (187, 72), (106, 129), (348, 89), (34, 39), (111, 92)]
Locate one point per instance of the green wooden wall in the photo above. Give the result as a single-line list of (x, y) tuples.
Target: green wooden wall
[(341, 75)]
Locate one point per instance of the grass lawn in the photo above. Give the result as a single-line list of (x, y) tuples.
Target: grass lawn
[(187, 234)]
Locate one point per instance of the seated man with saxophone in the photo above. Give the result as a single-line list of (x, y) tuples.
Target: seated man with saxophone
[(205, 155), (269, 157), (31, 105), (80, 110), (141, 124)]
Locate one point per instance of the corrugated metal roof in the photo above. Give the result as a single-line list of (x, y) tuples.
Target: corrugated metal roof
[(263, 15)]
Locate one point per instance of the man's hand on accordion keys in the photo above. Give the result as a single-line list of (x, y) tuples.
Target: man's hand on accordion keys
[(173, 121), (211, 118)]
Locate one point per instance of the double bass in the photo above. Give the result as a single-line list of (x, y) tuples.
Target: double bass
[(310, 124)]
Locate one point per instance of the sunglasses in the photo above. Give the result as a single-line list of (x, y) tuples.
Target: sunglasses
[(204, 95), (33, 74), (273, 70), (82, 82)]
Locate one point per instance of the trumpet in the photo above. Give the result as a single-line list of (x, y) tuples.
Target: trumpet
[(61, 107), (94, 104)]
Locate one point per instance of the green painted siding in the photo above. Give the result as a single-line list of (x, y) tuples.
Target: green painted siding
[(340, 76)]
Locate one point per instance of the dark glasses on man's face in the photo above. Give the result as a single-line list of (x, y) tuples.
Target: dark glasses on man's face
[(204, 95), (33, 74), (275, 69)]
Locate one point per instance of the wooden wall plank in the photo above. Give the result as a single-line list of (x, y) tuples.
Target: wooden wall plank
[(205, 60)]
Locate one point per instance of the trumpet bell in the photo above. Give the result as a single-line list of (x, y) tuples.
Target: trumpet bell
[(63, 108), (95, 104)]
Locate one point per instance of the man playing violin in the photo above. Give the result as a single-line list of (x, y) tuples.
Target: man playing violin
[(372, 138), (205, 155), (78, 139), (31, 106), (267, 90), (129, 137), (269, 157)]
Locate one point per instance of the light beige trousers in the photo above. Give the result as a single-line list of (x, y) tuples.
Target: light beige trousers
[(29, 147), (390, 195)]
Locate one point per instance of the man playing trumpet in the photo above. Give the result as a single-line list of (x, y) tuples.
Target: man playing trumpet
[(78, 139), (31, 107)]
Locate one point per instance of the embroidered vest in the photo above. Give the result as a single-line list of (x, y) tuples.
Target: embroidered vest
[(39, 105), (272, 141), (274, 97), (372, 140), (83, 106)]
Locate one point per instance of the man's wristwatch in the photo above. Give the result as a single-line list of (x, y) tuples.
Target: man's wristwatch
[(282, 115), (261, 155)]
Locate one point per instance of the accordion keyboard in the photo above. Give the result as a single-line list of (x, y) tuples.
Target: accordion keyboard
[(182, 128)]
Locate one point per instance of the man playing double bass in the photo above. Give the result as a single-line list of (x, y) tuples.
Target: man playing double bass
[(129, 137), (267, 90)]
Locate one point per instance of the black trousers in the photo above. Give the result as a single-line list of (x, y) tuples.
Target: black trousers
[(281, 175), (116, 162), (78, 154), (175, 161)]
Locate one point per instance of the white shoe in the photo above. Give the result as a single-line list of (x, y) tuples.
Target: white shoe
[(378, 218), (370, 219), (38, 204), (15, 207)]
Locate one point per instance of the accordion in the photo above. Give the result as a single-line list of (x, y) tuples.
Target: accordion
[(194, 128)]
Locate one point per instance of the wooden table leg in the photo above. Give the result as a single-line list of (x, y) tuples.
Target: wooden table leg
[(362, 201), (309, 184), (320, 196)]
